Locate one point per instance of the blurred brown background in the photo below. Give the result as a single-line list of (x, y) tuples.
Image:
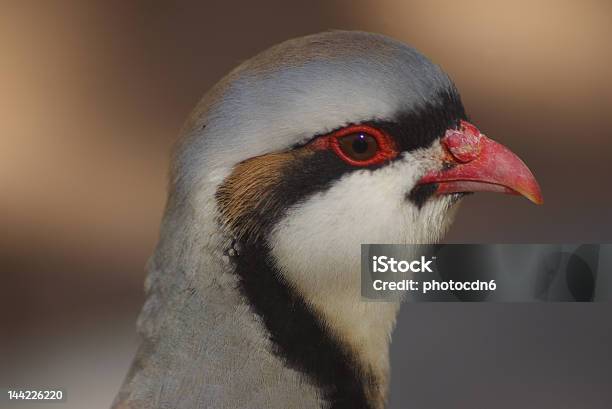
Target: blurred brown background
[(93, 93)]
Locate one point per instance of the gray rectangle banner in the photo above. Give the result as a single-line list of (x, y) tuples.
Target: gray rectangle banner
[(487, 272)]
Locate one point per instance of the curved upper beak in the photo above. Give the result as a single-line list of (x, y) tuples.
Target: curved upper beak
[(475, 163)]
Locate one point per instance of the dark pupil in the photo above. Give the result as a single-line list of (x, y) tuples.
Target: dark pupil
[(360, 144)]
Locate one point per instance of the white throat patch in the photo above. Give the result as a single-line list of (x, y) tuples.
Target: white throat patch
[(317, 248)]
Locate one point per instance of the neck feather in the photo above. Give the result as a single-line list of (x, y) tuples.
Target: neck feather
[(227, 333)]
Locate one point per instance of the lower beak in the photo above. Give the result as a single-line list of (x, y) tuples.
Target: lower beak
[(475, 163)]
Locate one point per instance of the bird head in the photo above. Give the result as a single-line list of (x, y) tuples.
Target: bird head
[(325, 142), (328, 141)]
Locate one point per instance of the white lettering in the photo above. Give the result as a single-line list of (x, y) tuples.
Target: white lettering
[(383, 264)]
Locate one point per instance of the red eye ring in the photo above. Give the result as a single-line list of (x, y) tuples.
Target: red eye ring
[(385, 149)]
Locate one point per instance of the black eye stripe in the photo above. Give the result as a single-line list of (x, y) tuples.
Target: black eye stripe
[(418, 129), (301, 178)]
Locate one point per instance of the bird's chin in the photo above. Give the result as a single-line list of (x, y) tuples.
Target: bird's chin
[(448, 205), (422, 194), (455, 198)]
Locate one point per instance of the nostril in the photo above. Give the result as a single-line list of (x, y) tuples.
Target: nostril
[(463, 144)]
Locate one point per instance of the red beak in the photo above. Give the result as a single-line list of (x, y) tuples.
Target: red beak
[(475, 163)]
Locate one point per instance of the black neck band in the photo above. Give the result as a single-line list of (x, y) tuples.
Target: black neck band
[(298, 334)]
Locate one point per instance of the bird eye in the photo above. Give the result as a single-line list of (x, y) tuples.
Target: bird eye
[(358, 146), (361, 145)]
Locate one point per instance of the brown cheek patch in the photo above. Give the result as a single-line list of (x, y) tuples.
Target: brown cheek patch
[(250, 194)]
